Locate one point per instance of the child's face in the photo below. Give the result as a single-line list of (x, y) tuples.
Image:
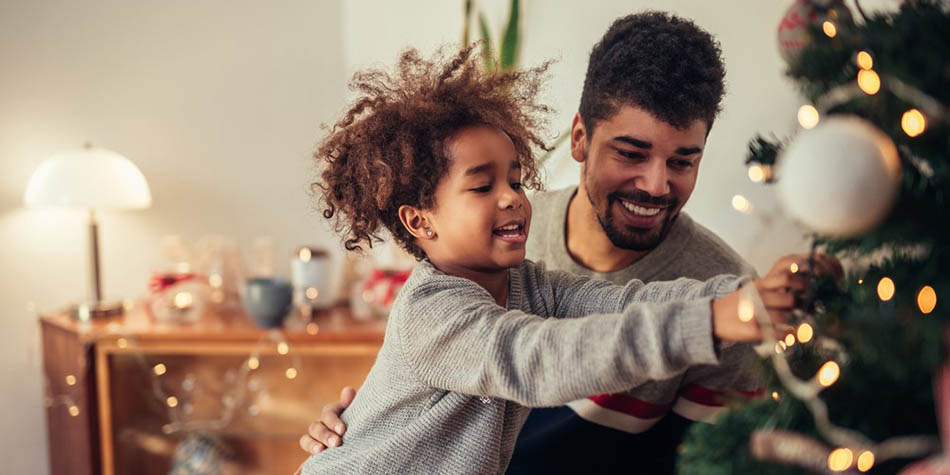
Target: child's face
[(481, 216)]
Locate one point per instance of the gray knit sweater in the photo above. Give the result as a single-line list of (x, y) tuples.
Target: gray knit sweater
[(456, 375)]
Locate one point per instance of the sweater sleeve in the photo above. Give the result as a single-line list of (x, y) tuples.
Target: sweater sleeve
[(575, 296), (454, 337)]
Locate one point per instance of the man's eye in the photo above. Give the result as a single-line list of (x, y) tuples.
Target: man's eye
[(631, 155), (482, 189), (682, 164)]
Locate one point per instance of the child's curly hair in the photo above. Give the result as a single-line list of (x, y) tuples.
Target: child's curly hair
[(389, 150)]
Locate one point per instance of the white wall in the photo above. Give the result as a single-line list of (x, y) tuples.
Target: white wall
[(219, 103)]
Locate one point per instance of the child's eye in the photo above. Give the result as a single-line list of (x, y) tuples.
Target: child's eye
[(516, 186), (482, 189)]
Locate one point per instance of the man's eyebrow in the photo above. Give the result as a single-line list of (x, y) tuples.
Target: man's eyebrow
[(485, 167), (633, 141), (688, 150)]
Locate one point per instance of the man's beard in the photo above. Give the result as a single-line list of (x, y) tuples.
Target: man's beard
[(635, 239)]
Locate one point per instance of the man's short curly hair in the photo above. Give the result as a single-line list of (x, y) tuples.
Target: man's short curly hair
[(389, 150), (656, 61)]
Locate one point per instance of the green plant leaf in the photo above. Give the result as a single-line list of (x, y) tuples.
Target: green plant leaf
[(488, 55), (511, 42)]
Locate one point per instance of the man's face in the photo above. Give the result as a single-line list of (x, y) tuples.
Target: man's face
[(638, 172)]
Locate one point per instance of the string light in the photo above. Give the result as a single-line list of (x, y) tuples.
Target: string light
[(746, 310), (183, 300), (74, 410), (122, 343), (70, 380), (780, 347), (291, 373), (865, 61), (913, 123), (869, 81), (776, 396), (313, 328), (865, 461), (840, 459), (741, 204), (172, 401), (215, 280), (927, 299), (805, 333), (808, 116), (828, 373), (283, 348), (758, 173), (305, 254), (253, 362), (789, 339), (794, 268), (885, 289), (829, 29), (860, 281), (159, 369), (312, 293)]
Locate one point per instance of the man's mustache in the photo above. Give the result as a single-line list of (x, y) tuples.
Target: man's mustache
[(644, 198)]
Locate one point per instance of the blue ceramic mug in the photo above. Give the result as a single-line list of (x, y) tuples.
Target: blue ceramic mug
[(268, 300)]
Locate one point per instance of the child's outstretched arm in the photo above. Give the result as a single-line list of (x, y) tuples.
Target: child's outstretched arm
[(454, 337)]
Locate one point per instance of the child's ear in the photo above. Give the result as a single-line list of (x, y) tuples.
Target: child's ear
[(578, 139), (415, 222)]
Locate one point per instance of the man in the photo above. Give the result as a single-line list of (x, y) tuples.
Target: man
[(653, 88)]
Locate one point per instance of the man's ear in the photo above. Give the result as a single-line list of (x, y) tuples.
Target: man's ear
[(578, 139), (414, 220)]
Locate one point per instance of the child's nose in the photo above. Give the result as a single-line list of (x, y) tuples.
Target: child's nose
[(510, 199)]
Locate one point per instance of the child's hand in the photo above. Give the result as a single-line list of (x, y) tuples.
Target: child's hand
[(319, 435), (780, 291)]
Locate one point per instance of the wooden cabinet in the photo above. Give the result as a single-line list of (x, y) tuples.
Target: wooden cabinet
[(123, 393)]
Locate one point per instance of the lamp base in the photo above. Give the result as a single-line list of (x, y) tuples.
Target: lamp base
[(89, 311)]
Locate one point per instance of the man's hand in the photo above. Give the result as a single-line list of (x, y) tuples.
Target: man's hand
[(328, 431), (780, 291)]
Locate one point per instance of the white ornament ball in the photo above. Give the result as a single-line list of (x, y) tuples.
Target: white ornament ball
[(841, 178)]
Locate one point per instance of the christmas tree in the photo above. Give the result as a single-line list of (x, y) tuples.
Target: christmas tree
[(862, 383)]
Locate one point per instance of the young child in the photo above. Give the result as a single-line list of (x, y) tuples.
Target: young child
[(438, 153)]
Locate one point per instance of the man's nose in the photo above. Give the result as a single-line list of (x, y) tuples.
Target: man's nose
[(654, 179)]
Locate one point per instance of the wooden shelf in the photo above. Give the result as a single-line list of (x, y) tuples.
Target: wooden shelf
[(119, 422)]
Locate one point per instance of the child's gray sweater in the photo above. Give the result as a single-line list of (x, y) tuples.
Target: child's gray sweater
[(456, 375)]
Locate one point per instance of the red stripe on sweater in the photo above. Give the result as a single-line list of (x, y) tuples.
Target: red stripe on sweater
[(714, 397), (630, 405)]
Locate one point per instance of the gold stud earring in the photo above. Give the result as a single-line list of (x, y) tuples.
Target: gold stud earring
[(429, 232)]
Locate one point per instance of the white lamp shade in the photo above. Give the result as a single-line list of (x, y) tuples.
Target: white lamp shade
[(89, 178)]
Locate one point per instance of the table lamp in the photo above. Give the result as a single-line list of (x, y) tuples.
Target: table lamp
[(92, 178)]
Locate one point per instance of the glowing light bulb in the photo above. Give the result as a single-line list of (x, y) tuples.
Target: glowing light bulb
[(291, 373), (74, 410), (313, 328), (840, 459), (789, 339), (828, 373), (869, 81), (865, 61), (122, 343), (70, 380), (172, 401), (183, 300), (215, 280), (808, 116), (805, 333), (305, 254), (253, 362), (746, 310), (927, 299), (886, 289), (159, 369), (741, 204), (757, 173), (283, 348), (793, 268), (913, 123), (829, 29), (776, 396), (312, 293), (865, 461)]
